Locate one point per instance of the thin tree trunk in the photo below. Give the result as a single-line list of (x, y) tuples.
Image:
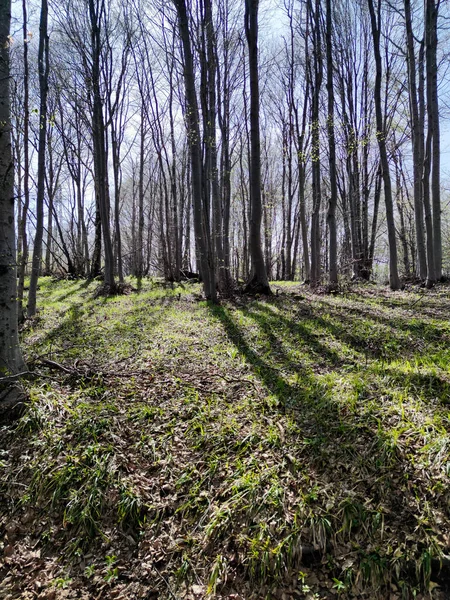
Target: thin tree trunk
[(50, 197), (43, 64), (381, 136), (332, 203), (426, 159), (140, 220), (400, 209), (223, 274), (201, 225), (416, 144), (301, 166), (258, 280), (433, 128), (23, 210), (11, 361), (315, 144)]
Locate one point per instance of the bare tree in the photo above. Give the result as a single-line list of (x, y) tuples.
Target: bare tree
[(417, 143), (258, 279), (201, 217), (375, 19), (11, 361), (433, 137), (332, 203), (43, 65), (314, 14), (96, 16), (23, 207)]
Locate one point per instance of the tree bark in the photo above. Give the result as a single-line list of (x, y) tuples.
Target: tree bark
[(431, 15), (223, 274), (96, 8), (417, 147), (201, 221), (316, 83), (258, 281), (11, 361), (332, 203), (23, 208), (381, 136), (43, 63)]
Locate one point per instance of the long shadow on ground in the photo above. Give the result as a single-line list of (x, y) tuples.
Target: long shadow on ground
[(372, 487)]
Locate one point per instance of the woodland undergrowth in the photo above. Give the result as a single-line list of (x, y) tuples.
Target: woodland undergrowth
[(292, 446)]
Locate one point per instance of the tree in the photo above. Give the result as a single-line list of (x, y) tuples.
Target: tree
[(23, 207), (417, 142), (43, 63), (433, 138), (11, 360), (96, 15), (316, 83), (331, 216), (375, 20), (201, 217), (210, 67), (258, 281)]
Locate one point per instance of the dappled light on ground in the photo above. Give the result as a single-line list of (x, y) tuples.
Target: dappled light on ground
[(296, 445)]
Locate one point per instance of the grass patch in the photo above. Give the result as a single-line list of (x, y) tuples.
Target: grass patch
[(294, 445)]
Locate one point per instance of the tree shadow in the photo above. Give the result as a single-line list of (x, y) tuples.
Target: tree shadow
[(376, 336), (297, 389), (84, 285), (348, 451), (77, 336), (385, 345)]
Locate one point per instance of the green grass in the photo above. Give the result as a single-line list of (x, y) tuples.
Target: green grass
[(246, 447)]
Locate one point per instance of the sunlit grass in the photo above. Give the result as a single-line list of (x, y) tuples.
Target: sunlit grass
[(265, 432)]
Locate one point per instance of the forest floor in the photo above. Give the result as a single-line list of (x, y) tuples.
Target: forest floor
[(295, 446)]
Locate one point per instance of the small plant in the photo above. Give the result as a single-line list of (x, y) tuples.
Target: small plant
[(339, 585), (129, 507), (89, 571), (112, 571), (184, 569), (217, 575), (62, 582)]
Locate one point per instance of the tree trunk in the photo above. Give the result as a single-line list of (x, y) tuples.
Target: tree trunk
[(50, 180), (140, 220), (223, 274), (96, 8), (433, 128), (331, 216), (43, 62), (417, 147), (381, 136), (201, 224), (258, 279), (301, 166), (23, 209), (11, 361), (316, 82), (426, 159)]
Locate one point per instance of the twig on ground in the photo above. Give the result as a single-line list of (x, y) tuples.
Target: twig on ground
[(15, 376), (421, 297), (55, 365)]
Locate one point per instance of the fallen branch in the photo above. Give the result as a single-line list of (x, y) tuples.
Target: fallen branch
[(54, 365), (15, 376), (421, 297)]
